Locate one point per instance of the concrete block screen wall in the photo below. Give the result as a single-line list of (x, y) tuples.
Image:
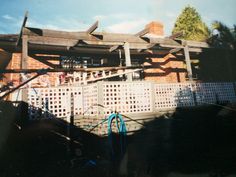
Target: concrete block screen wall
[(92, 103)]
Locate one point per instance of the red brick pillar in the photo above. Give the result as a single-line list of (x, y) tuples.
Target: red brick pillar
[(167, 69), (156, 28)]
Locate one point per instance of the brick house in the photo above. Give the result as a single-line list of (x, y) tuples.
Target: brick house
[(165, 68)]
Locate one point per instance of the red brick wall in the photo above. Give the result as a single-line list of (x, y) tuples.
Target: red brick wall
[(166, 69), (156, 28), (32, 64)]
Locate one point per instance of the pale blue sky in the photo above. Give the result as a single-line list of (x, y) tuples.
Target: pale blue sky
[(122, 16)]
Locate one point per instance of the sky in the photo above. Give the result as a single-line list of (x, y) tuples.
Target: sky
[(119, 16)]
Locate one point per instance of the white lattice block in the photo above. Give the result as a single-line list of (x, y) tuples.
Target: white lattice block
[(90, 99), (125, 97), (225, 92), (49, 102), (208, 93), (205, 93), (77, 99), (173, 95)]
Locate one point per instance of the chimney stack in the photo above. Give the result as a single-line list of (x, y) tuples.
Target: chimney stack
[(155, 28)]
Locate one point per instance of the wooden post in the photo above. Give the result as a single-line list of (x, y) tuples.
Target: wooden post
[(24, 57), (24, 63), (188, 62), (127, 60)]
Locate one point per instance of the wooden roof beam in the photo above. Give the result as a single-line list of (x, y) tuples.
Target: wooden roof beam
[(92, 28), (22, 26), (46, 70), (113, 48), (175, 50), (176, 35), (196, 44), (142, 33)]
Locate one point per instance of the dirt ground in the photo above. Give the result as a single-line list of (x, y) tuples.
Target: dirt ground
[(193, 142)]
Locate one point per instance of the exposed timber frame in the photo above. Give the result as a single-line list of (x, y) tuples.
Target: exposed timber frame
[(31, 41)]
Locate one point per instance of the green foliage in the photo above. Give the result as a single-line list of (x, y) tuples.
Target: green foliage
[(223, 35), (191, 24)]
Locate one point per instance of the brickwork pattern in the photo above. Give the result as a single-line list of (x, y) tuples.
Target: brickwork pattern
[(50, 78)]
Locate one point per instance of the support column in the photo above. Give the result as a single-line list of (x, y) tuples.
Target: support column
[(24, 63), (24, 57), (188, 62), (127, 60)]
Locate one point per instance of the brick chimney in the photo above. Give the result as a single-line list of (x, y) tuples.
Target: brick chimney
[(155, 28)]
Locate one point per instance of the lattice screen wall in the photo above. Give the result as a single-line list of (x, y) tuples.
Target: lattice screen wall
[(77, 98), (49, 102), (168, 96), (133, 97), (214, 92), (124, 97), (90, 99)]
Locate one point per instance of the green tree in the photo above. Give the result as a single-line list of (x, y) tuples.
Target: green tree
[(224, 39), (191, 24), (222, 35)]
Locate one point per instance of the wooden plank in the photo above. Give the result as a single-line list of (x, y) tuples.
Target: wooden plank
[(175, 50), (24, 93), (171, 46), (52, 41), (188, 63), (113, 48), (109, 37), (92, 28), (24, 57), (195, 50), (196, 44), (39, 40), (74, 42), (127, 60), (41, 70), (142, 33), (165, 41), (176, 35), (24, 62), (22, 26)]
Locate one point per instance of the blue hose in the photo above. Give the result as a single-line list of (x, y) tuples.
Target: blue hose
[(120, 124)]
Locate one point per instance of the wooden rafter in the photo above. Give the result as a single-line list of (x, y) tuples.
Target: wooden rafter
[(175, 50), (23, 25), (71, 69), (92, 28), (142, 33), (19, 86), (113, 48), (176, 35)]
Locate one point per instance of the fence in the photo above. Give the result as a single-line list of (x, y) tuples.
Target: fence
[(124, 97)]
